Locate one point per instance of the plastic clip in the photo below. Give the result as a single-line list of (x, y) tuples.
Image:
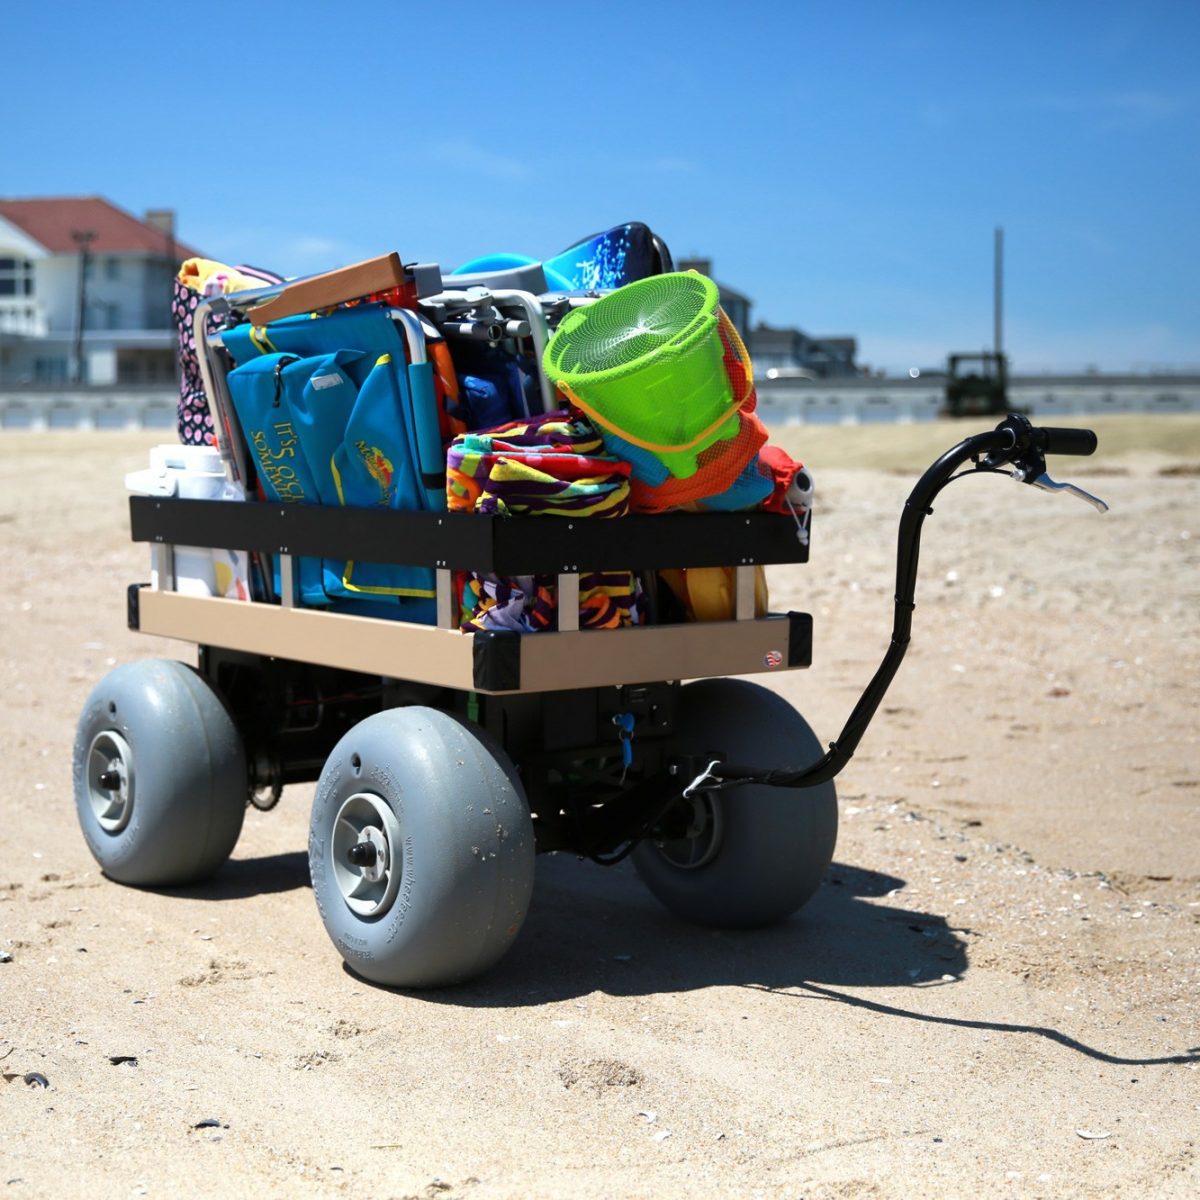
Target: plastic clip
[(624, 723), (705, 779)]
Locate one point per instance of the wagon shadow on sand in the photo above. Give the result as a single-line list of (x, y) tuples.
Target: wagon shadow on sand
[(240, 878), (591, 929), (599, 929)]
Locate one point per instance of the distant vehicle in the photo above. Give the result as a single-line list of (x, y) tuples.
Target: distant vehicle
[(790, 373), (976, 384)]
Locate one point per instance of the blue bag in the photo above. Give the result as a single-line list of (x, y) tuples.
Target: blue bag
[(364, 424), (271, 435)]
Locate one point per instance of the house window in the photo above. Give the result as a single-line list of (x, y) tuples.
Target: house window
[(50, 370), (112, 269), (16, 277)]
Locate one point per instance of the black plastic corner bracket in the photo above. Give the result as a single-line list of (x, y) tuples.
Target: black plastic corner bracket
[(800, 631), (133, 609), (497, 660)]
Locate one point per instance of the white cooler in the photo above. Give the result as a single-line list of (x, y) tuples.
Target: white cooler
[(195, 473)]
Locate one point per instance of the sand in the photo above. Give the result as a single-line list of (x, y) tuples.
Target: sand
[(994, 992)]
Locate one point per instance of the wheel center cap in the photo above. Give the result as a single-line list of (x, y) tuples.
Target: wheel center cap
[(109, 767), (372, 859), (367, 872)]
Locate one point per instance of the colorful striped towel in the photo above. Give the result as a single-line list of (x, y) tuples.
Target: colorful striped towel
[(551, 465)]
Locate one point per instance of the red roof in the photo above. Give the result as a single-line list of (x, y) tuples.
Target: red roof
[(51, 223)]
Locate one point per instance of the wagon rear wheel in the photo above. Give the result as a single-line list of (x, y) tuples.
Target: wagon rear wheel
[(750, 855), (160, 775)]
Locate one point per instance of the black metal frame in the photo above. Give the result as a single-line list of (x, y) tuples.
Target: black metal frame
[(566, 745), (573, 733), (470, 542)]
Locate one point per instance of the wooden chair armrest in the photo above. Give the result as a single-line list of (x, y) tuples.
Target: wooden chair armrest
[(331, 288)]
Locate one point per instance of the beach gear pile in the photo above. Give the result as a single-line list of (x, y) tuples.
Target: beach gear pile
[(658, 414)]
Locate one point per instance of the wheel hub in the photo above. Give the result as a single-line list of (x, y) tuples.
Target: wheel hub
[(370, 854), (367, 862), (702, 839), (110, 780)]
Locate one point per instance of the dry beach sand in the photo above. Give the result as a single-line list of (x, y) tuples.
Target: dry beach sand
[(995, 992)]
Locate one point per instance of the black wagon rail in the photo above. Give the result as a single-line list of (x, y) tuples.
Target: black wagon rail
[(484, 661), (463, 541)]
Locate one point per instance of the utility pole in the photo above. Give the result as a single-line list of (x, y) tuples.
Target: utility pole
[(998, 297), (83, 238)]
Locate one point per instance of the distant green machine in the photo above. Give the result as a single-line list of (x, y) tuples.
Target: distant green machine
[(976, 384)]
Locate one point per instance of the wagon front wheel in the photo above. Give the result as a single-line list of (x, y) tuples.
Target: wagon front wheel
[(421, 849)]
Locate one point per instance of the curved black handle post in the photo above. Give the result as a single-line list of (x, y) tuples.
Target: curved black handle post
[(998, 444), (1014, 441)]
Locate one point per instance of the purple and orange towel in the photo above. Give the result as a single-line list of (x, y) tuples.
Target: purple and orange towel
[(551, 465)]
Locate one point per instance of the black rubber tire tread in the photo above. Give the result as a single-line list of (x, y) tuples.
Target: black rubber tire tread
[(468, 848), (191, 783), (777, 842)]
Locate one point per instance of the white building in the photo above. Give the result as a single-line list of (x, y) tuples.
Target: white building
[(85, 292)]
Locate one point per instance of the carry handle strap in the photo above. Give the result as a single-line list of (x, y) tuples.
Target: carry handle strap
[(326, 290)]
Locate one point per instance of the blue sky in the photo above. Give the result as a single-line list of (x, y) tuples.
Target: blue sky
[(843, 165)]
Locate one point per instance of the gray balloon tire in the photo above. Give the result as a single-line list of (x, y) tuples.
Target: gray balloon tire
[(775, 844), (466, 851), (187, 799)]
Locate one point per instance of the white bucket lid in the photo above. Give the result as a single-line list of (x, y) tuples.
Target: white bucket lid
[(195, 460), (194, 471)]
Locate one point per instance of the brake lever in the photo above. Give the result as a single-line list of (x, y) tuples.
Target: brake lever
[(1047, 484)]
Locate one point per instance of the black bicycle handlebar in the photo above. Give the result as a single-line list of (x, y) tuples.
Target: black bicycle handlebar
[(1051, 440)]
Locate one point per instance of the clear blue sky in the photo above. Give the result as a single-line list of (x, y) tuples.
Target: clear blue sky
[(842, 164)]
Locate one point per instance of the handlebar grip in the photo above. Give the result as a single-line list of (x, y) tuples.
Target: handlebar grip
[(1065, 441)]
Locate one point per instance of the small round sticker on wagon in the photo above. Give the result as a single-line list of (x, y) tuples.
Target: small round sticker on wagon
[(772, 659)]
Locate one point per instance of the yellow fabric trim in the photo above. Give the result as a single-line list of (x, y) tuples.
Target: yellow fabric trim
[(258, 335), (420, 593), (348, 573), (337, 481)]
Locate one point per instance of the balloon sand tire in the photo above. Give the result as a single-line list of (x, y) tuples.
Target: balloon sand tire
[(159, 775), (753, 854), (421, 849)]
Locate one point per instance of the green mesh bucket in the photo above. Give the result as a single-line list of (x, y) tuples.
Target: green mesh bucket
[(646, 363)]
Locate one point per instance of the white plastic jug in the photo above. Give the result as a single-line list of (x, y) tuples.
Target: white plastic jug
[(195, 473)]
